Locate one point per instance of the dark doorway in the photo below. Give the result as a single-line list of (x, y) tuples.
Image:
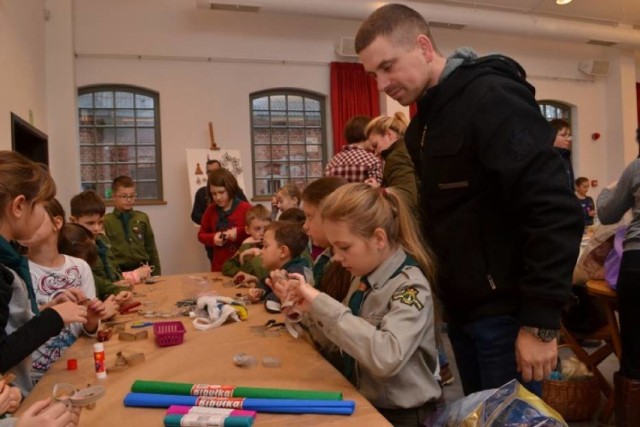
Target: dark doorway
[(29, 141)]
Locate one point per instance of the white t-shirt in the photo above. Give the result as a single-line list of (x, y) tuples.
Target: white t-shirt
[(48, 283)]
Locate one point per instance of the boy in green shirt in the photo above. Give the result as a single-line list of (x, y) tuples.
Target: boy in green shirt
[(88, 210), (247, 259), (129, 231)]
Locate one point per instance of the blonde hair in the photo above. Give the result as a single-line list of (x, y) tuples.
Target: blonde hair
[(381, 124), (21, 176), (365, 209), (291, 190)]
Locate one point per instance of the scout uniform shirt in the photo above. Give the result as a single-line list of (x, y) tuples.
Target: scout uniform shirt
[(105, 270), (132, 240)]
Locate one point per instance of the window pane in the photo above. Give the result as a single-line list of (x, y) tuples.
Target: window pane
[(296, 152), (87, 154), (106, 154), (295, 103), (104, 117), (124, 100), (85, 117), (103, 99), (146, 155), (87, 173), (105, 136), (261, 136), (298, 170), (87, 135), (147, 190), (261, 118), (260, 103), (124, 118), (129, 170), (106, 172), (85, 101), (278, 102), (296, 118), (125, 136), (314, 136), (278, 118), (296, 136), (143, 101), (126, 154), (145, 117), (314, 169), (261, 152), (314, 152), (148, 172), (279, 136), (263, 169), (312, 119), (146, 136), (311, 104), (279, 152)]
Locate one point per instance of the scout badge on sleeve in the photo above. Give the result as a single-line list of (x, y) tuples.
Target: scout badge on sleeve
[(408, 296)]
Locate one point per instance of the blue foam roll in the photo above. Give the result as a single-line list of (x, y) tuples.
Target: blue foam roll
[(174, 421), (287, 406)]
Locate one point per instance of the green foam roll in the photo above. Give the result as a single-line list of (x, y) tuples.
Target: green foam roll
[(176, 421), (186, 389)]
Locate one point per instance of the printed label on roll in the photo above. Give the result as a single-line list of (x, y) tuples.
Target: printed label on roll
[(220, 402), (212, 390), (202, 420)]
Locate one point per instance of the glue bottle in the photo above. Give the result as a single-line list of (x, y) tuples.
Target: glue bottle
[(98, 357)]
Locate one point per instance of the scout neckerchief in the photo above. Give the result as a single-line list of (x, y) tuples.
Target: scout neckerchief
[(10, 258), (355, 304), (223, 216), (102, 253), (319, 267), (124, 219)]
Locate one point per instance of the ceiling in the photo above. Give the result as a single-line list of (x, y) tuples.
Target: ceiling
[(626, 12)]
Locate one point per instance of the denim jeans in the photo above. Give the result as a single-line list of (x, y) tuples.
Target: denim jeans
[(485, 353)]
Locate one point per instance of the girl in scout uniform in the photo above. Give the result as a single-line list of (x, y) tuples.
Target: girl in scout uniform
[(386, 331)]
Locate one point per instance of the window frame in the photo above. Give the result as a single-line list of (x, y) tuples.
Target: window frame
[(322, 127), (558, 105), (135, 90)]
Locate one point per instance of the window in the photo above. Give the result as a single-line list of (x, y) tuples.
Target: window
[(287, 139), (555, 110), (120, 135)]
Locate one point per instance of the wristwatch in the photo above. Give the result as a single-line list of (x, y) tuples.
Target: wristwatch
[(544, 335)]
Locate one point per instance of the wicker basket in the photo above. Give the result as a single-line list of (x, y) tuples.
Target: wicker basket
[(575, 400)]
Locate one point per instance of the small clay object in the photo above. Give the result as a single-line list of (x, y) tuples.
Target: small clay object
[(104, 335)]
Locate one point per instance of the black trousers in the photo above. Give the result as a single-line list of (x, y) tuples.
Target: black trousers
[(628, 289)]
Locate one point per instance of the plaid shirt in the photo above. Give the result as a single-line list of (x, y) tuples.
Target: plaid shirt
[(355, 165)]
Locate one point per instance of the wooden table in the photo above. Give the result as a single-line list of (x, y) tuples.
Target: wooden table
[(204, 357)]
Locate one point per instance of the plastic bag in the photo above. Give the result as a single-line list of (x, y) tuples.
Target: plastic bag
[(511, 405), (613, 259)]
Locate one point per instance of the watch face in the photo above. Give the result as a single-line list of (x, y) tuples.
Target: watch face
[(547, 335)]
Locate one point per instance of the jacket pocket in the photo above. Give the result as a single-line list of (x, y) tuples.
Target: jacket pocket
[(446, 166)]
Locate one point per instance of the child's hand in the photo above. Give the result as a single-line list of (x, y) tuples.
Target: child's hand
[(250, 253), (232, 234), (219, 239), (124, 283), (103, 309), (45, 414), (255, 294), (71, 312), (9, 400), (123, 297), (72, 294), (143, 272), (296, 289)]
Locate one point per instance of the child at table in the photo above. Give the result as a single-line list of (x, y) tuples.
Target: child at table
[(25, 187), (284, 244), (223, 223), (247, 258), (43, 413), (56, 277), (88, 210), (287, 197), (386, 332), (129, 230)]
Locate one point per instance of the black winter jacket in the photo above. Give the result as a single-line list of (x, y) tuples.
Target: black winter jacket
[(495, 205)]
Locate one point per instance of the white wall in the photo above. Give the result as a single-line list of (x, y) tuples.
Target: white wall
[(194, 93), (22, 73)]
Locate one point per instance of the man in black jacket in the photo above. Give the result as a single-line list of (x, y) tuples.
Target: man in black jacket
[(504, 227)]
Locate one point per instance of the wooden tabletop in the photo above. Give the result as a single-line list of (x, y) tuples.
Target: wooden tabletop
[(601, 288), (205, 357)]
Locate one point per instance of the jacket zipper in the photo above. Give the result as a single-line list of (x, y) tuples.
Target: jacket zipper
[(491, 282)]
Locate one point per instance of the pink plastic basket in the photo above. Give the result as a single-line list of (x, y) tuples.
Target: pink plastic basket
[(169, 333)]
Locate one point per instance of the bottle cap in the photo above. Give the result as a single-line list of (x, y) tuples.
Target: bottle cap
[(72, 364), (98, 347)]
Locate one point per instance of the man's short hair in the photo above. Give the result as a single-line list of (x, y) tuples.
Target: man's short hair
[(291, 235), (87, 203), (354, 129), (212, 161), (122, 181), (400, 22), (257, 212)]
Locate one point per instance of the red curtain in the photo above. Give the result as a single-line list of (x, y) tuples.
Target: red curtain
[(352, 92)]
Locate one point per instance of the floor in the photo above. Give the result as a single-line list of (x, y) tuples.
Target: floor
[(454, 391)]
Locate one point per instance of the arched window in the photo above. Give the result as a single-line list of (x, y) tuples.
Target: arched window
[(555, 110), (287, 139), (120, 135)]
